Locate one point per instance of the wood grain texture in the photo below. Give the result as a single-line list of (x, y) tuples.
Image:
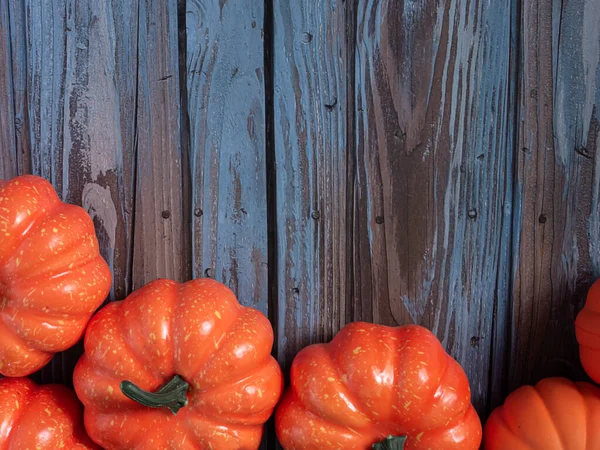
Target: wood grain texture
[(433, 157), (310, 58), (557, 215), (76, 131), (226, 104), (18, 63), (8, 147), (161, 239)]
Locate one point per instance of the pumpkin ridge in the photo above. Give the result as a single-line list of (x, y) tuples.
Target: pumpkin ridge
[(218, 346), (554, 425), (355, 400), (32, 389)]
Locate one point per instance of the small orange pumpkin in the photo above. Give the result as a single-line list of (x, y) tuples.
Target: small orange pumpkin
[(587, 328)]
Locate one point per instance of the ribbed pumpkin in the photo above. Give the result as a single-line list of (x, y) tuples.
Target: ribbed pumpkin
[(371, 382), (555, 414), (587, 328), (36, 417), (52, 277), (178, 366)]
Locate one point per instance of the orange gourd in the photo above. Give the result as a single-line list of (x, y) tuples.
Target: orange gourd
[(45, 417), (178, 366), (52, 277), (371, 382), (555, 414), (587, 328)]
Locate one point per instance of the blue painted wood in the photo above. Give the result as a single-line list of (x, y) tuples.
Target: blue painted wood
[(226, 104), (18, 46), (80, 89), (311, 117), (557, 208), (8, 147)]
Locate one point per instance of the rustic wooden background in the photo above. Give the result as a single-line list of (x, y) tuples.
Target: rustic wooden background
[(428, 161)]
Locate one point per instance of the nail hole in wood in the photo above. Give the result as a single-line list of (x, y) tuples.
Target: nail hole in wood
[(316, 215), (475, 341), (472, 213), (166, 214), (208, 272), (542, 218), (198, 212), (379, 220)]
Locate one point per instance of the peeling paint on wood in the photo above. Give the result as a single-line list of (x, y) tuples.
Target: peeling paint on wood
[(8, 147), (311, 158), (557, 208), (226, 104)]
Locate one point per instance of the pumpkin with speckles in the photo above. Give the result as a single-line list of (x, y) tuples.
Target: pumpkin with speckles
[(555, 414), (52, 277), (178, 366), (372, 385), (587, 328), (45, 417)]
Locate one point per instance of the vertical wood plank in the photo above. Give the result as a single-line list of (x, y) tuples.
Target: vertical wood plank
[(557, 209), (18, 44), (310, 58), (8, 148), (75, 94), (226, 103), (434, 171), (46, 23), (161, 239)]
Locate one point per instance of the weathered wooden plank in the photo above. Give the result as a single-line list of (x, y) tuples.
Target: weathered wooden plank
[(8, 149), (46, 22), (76, 128), (311, 156), (18, 44), (557, 230), (161, 240), (433, 183), (226, 103)]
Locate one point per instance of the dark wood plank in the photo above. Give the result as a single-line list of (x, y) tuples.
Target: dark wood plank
[(433, 183), (311, 159), (226, 104), (76, 84), (557, 230), (161, 239), (8, 148), (18, 44)]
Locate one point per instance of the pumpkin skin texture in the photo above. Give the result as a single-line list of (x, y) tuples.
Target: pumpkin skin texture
[(52, 277), (556, 414), (198, 331), (372, 381), (45, 417), (587, 329)]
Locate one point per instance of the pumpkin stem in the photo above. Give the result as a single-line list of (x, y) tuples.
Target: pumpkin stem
[(171, 395), (391, 443)]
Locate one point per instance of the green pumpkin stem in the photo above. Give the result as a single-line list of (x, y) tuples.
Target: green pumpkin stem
[(171, 395), (391, 443)]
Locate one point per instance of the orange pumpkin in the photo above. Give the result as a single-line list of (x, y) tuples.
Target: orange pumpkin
[(45, 417), (587, 329), (178, 366), (371, 382), (555, 414), (52, 277)]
